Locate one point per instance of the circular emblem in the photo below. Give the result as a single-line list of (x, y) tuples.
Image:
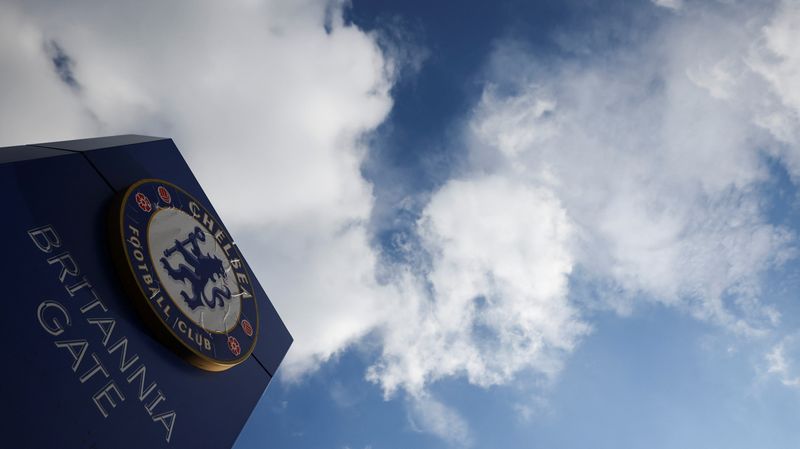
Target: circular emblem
[(188, 277)]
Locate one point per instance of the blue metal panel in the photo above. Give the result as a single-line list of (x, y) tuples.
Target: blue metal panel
[(97, 143), (65, 376), (27, 152)]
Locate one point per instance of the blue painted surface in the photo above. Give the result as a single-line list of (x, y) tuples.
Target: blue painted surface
[(46, 404)]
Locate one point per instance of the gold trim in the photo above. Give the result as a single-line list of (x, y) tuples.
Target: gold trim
[(150, 315)]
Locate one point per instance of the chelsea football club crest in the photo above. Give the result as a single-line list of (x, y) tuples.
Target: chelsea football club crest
[(187, 275)]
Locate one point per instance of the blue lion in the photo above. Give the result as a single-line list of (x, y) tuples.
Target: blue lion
[(204, 269)]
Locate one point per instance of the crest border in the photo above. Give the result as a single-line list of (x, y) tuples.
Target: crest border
[(130, 283)]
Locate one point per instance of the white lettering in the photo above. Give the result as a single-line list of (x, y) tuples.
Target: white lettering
[(143, 393), (168, 420), (123, 364), (53, 326), (104, 393), (71, 289), (65, 259), (195, 209), (75, 347), (98, 367), (106, 326), (45, 238)]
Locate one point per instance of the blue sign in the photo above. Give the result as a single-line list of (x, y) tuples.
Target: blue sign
[(98, 354)]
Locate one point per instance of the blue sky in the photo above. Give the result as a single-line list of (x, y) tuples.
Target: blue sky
[(555, 224), (655, 378)]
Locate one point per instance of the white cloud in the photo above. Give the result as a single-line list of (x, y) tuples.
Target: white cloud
[(268, 108), (498, 290), (776, 100), (427, 414), (779, 366), (659, 175), (343, 396), (36, 105), (777, 361), (670, 4), (532, 409), (780, 62)]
